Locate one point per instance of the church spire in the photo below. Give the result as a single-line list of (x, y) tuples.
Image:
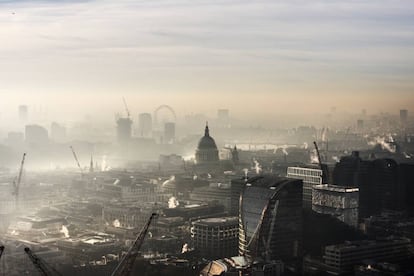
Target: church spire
[(206, 131)]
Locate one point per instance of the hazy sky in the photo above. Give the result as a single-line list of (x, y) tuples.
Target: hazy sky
[(202, 55)]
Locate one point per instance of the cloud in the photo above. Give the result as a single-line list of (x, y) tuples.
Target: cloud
[(233, 46)]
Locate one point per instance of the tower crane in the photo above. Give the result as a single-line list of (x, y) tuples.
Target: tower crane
[(126, 108), (77, 161), (16, 184), (319, 155), (124, 268), (43, 268)]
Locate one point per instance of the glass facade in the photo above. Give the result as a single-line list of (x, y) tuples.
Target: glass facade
[(270, 220)]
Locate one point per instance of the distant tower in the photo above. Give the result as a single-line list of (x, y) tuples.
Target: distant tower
[(36, 135), (91, 165), (223, 117), (235, 156), (145, 125), (57, 132), (124, 130), (223, 114), (360, 124), (403, 116), (23, 113), (169, 132)]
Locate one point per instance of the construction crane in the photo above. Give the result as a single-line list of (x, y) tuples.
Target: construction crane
[(126, 108), (43, 268), (319, 156), (77, 161), (16, 184), (124, 268)]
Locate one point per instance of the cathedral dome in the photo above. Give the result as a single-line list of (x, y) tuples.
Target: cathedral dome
[(207, 142), (207, 151)]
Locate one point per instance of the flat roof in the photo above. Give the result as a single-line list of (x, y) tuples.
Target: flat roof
[(334, 188)]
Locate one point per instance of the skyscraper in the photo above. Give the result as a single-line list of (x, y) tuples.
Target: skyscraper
[(169, 133), (36, 135), (403, 116), (310, 178), (57, 132), (124, 130), (270, 219), (145, 125)]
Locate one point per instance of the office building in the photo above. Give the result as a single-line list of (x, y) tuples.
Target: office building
[(57, 132), (216, 237), (342, 258), (36, 135), (360, 125), (339, 202), (145, 125), (124, 130), (378, 181), (271, 219), (403, 117), (169, 133), (310, 177)]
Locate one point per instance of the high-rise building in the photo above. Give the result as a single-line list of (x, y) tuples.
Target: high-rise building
[(36, 135), (360, 124), (169, 133), (223, 117), (339, 202), (216, 237), (403, 116), (23, 113), (145, 125), (310, 178), (377, 180), (124, 130), (57, 132), (271, 219)]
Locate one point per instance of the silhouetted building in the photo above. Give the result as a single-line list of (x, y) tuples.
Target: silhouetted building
[(235, 156), (57, 132), (271, 219), (169, 133), (124, 130), (377, 180), (403, 116), (406, 180), (237, 186), (360, 124), (310, 178), (339, 202), (342, 258), (207, 152), (216, 237), (23, 113), (145, 125), (36, 135), (223, 117)]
